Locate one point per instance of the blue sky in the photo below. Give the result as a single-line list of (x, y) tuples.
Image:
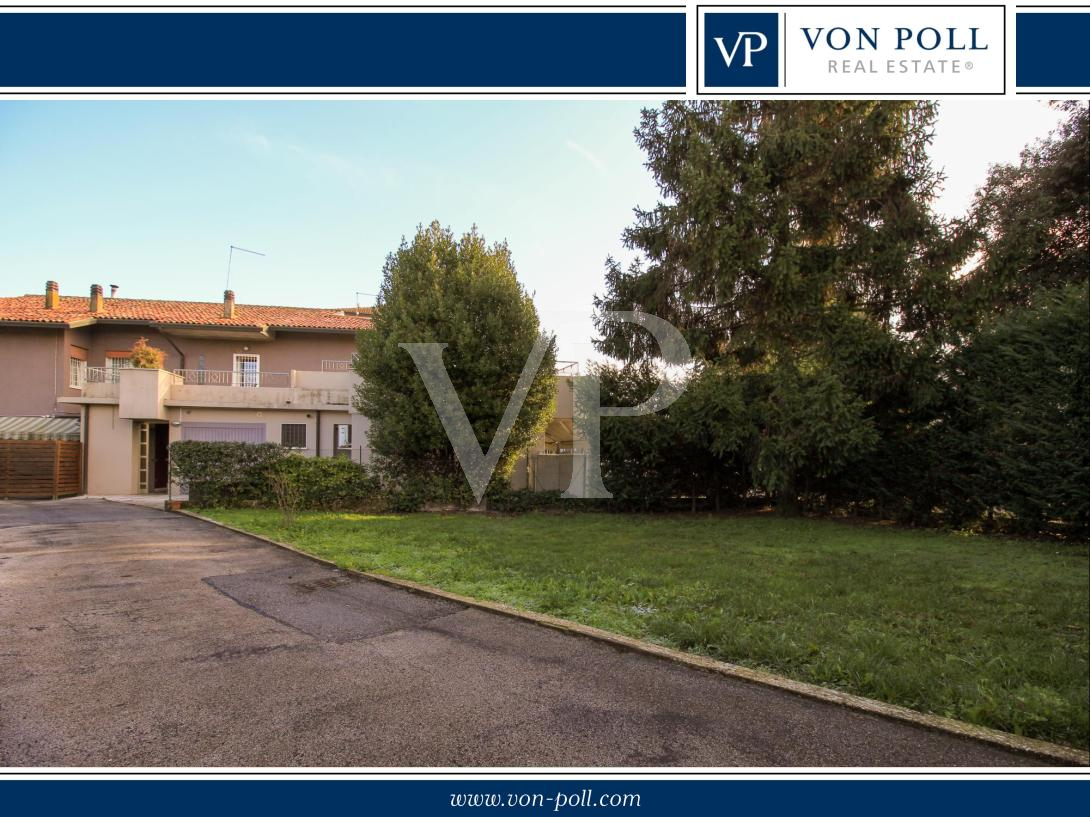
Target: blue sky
[(148, 195)]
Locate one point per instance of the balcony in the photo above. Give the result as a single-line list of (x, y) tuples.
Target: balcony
[(242, 388), (101, 382), (240, 378), (147, 393)]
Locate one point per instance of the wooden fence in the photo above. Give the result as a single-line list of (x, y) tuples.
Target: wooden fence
[(40, 469)]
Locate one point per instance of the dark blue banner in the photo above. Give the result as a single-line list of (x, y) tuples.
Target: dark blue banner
[(466, 49), (1051, 49), (831, 798)]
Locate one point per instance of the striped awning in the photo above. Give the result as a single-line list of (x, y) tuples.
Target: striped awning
[(39, 428)]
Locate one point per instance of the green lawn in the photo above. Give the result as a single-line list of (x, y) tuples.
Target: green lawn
[(987, 630)]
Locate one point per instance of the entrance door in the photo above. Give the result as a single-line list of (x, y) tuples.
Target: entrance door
[(247, 371), (161, 456)]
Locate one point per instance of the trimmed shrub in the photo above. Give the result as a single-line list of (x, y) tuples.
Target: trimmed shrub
[(224, 474), (330, 483), (233, 474), (406, 488)]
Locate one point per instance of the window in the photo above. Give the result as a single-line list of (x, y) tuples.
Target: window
[(77, 372), (115, 362), (293, 435), (247, 371), (342, 435)]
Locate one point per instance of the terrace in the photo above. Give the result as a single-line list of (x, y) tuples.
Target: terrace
[(153, 389)]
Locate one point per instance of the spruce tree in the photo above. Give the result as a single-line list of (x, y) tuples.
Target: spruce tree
[(796, 242)]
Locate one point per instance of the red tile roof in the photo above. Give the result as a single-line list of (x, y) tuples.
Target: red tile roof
[(76, 310)]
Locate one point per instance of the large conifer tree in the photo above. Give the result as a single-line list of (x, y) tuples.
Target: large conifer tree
[(796, 242)]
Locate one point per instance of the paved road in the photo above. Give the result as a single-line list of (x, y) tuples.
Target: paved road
[(133, 637)]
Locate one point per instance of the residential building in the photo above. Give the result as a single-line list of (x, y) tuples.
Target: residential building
[(231, 371)]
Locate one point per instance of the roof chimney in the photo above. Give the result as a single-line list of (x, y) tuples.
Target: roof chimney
[(52, 295), (113, 290), (96, 297), (228, 303)]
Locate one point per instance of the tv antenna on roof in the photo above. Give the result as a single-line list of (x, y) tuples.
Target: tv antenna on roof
[(230, 255)]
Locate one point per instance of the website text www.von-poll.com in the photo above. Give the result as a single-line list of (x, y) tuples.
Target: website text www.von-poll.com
[(584, 798)]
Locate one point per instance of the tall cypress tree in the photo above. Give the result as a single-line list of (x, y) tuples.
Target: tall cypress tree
[(795, 241)]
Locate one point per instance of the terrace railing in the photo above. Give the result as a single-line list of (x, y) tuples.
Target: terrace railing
[(243, 378), (101, 374)]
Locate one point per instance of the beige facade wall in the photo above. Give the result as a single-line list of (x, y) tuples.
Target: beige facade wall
[(38, 358), (289, 350), (112, 431), (34, 367), (111, 452), (142, 392), (113, 441), (272, 418), (361, 449)]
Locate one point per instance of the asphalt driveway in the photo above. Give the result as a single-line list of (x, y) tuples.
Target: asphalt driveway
[(133, 637)]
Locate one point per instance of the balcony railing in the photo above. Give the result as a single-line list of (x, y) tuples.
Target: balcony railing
[(101, 374), (567, 368), (336, 365), (234, 377)]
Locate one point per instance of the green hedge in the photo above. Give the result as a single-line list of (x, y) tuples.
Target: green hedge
[(1017, 444), (233, 474), (224, 474), (331, 483)]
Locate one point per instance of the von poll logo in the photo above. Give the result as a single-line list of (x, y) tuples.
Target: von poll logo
[(742, 50), (851, 50)]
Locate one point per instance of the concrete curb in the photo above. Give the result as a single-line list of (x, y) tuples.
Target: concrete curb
[(1037, 748)]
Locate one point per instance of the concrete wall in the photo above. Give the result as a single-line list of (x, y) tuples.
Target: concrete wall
[(361, 449), (269, 397), (112, 452), (520, 474), (565, 398), (553, 472), (143, 392)]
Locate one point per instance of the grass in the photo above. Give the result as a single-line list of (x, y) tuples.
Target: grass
[(987, 630)]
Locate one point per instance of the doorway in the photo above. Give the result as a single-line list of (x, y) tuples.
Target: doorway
[(154, 466)]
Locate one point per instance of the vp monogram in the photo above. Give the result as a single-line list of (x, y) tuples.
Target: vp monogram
[(741, 49), (751, 42)]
